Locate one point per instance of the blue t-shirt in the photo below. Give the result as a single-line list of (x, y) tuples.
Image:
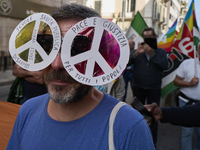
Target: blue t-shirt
[(34, 129)]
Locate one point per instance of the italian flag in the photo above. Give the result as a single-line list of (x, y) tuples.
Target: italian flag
[(134, 32)]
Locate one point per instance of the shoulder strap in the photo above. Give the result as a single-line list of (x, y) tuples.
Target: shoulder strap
[(111, 124)]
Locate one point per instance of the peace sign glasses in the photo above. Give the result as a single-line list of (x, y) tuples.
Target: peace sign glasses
[(80, 43)]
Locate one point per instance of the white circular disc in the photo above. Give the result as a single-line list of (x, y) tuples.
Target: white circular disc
[(32, 45), (93, 56)]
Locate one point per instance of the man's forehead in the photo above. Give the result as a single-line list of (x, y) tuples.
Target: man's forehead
[(148, 33), (64, 25)]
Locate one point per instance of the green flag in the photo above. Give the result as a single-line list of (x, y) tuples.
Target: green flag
[(135, 30)]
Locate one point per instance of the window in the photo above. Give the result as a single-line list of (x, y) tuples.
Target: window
[(130, 5), (97, 6), (172, 18), (163, 27), (133, 5), (163, 11), (154, 9)]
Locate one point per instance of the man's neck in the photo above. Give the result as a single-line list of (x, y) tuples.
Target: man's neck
[(73, 111)]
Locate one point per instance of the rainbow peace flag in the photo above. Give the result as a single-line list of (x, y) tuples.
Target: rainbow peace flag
[(168, 39), (188, 35)]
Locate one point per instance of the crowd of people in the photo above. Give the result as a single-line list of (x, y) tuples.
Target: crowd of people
[(58, 112)]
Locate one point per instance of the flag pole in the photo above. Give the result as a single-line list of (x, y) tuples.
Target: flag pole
[(123, 14), (195, 62)]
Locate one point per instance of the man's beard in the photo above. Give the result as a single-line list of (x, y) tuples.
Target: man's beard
[(65, 94)]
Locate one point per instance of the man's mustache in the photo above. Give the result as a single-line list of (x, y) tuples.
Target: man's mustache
[(59, 75)]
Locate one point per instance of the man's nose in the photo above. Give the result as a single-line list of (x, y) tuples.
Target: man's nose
[(57, 63)]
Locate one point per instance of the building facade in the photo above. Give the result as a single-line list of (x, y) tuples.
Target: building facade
[(183, 12), (12, 12), (159, 14)]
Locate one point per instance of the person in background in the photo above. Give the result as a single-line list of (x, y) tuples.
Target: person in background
[(33, 84), (149, 64), (187, 116), (73, 115), (114, 88), (189, 94), (128, 72)]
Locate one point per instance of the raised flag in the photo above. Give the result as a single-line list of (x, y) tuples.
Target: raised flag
[(167, 40), (184, 41), (135, 30), (182, 49)]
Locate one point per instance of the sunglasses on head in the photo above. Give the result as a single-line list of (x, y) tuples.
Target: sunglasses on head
[(80, 43)]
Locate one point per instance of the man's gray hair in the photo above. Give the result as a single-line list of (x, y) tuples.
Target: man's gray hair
[(74, 11)]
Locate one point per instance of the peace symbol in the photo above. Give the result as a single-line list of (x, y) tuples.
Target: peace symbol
[(32, 45), (93, 55)]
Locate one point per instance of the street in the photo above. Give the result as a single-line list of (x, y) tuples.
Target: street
[(4, 91)]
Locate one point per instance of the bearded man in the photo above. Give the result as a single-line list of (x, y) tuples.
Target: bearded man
[(72, 115)]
